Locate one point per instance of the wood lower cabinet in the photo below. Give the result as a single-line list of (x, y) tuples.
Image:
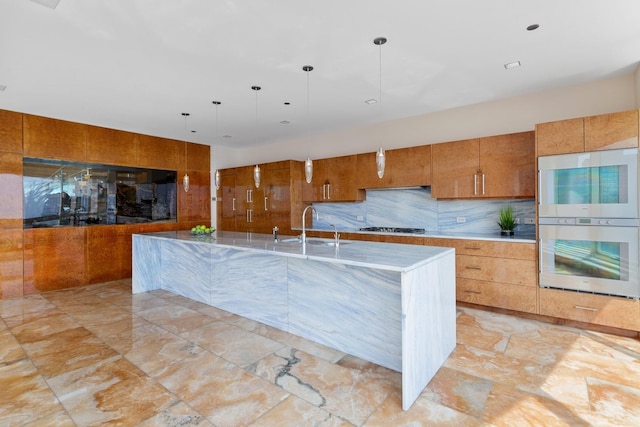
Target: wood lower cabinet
[(334, 180), (495, 274), (596, 309), (405, 167), (501, 166), (601, 132)]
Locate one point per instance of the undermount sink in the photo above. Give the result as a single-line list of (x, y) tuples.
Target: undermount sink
[(313, 241)]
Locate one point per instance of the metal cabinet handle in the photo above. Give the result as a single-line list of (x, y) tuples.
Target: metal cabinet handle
[(233, 204), (475, 184), (582, 307), (474, 248), (472, 292), (323, 193), (328, 191), (265, 204), (473, 267), (483, 184)]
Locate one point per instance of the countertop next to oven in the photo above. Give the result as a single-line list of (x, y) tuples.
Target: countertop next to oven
[(517, 238)]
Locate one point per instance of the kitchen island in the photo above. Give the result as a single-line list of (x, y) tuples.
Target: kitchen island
[(390, 304)]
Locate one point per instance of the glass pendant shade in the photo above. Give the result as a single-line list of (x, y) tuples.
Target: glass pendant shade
[(216, 179), (308, 170), (380, 162), (185, 182), (256, 176)]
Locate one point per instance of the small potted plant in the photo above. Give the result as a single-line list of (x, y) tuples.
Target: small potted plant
[(507, 222)]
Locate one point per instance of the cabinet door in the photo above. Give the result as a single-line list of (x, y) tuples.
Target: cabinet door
[(315, 191), (454, 166), (226, 203), (508, 167), (611, 131), (275, 203), (405, 167), (564, 136), (342, 179), (245, 192)]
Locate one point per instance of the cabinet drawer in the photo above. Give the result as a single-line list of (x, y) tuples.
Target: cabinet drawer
[(511, 297), (516, 272), (597, 309), (489, 248)]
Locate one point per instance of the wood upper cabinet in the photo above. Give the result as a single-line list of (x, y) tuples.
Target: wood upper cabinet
[(10, 131), (496, 166), (611, 131), (455, 169), (334, 180), (111, 146), (405, 167), (54, 139), (602, 132)]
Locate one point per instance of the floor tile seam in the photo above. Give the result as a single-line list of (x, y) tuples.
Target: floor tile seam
[(53, 393)]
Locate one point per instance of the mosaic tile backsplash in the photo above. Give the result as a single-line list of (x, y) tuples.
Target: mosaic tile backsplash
[(414, 207)]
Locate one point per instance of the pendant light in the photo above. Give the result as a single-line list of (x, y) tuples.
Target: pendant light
[(216, 178), (256, 169), (308, 164), (185, 178), (380, 155)]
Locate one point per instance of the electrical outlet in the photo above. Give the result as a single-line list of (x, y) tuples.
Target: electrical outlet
[(517, 220), (360, 218), (461, 219), (529, 220)]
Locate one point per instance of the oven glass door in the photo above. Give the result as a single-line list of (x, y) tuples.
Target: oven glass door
[(601, 259), (599, 184)]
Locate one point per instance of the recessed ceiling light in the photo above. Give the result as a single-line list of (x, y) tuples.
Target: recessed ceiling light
[(3, 88), (514, 64), (533, 27), (51, 4), (371, 101), (285, 122)]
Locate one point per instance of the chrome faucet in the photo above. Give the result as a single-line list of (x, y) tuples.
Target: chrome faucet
[(303, 236), (336, 236)]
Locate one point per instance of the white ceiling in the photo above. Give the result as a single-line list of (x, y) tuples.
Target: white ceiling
[(138, 64)]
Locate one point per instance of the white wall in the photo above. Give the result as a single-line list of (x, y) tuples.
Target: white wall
[(503, 116), (509, 115), (637, 85)]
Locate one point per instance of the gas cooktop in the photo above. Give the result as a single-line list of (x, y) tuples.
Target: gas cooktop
[(394, 230)]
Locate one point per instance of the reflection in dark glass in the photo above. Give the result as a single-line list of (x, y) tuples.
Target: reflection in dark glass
[(60, 193)]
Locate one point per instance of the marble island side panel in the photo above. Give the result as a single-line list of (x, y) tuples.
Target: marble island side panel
[(401, 316)]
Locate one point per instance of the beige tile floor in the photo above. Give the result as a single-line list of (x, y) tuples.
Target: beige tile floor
[(99, 355)]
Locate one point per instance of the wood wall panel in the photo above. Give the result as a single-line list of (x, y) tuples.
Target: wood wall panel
[(109, 252), (11, 190), (10, 131), (198, 157), (160, 153), (54, 258), (195, 205), (54, 139), (110, 146), (11, 263)]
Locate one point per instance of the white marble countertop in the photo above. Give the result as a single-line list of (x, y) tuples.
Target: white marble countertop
[(385, 256), (517, 238)]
